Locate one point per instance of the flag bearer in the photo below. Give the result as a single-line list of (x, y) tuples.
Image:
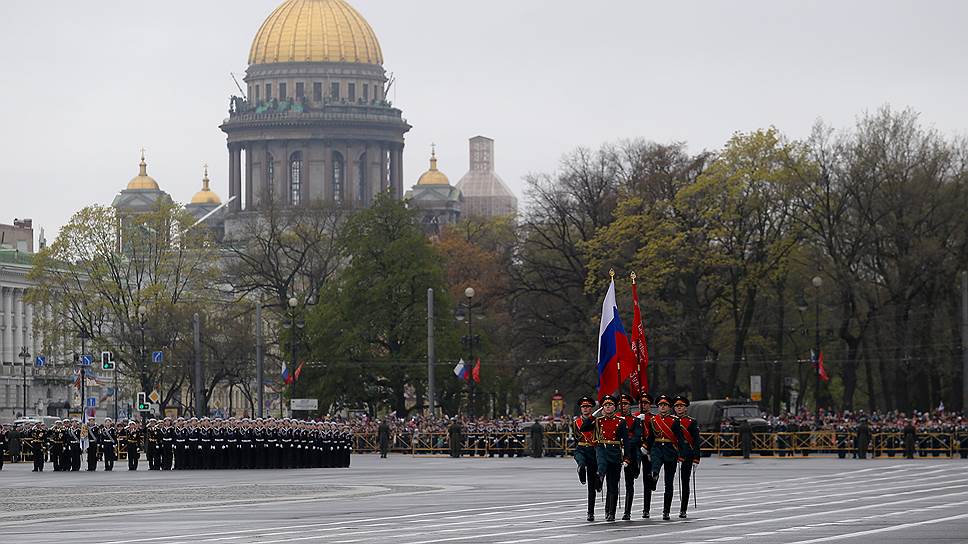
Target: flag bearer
[(585, 453), (611, 437)]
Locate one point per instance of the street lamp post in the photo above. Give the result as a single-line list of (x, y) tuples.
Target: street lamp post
[(24, 354), (292, 346), (83, 371), (142, 318), (469, 293), (817, 282)]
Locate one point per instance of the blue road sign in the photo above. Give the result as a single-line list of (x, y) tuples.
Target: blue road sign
[(87, 360), (40, 361), (92, 402), (157, 356), (110, 390)]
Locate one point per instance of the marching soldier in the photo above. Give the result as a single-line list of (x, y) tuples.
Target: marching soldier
[(634, 428), (689, 449), (132, 443), (38, 445), (611, 437), (56, 440), (585, 454), (665, 450), (383, 437), (72, 444), (92, 446), (645, 447)]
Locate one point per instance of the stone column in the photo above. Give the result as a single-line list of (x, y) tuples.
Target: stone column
[(232, 191), (18, 322), (237, 177), (397, 172), (29, 326), (8, 354), (249, 191)]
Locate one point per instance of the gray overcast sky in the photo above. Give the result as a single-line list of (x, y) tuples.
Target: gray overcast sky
[(85, 84)]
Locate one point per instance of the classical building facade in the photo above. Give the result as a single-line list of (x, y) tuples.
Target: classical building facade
[(485, 193), (315, 123), (439, 202)]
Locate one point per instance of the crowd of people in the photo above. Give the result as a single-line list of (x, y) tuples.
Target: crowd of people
[(180, 444)]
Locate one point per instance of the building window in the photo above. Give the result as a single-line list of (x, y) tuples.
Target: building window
[(334, 90), (361, 179), (366, 92), (338, 177), (295, 177), (351, 92), (256, 89), (300, 89), (282, 91), (268, 91), (270, 175), (317, 91)]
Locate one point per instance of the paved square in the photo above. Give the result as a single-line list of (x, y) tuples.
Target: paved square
[(407, 500)]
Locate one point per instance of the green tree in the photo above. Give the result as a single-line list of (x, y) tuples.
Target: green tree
[(369, 329)]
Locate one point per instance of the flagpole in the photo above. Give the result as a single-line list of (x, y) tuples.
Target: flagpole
[(618, 360), (638, 353)]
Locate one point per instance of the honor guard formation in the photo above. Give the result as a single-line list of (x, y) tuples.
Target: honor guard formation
[(189, 444), (618, 442)]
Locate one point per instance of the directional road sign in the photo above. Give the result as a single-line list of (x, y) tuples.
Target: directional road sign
[(157, 356), (40, 361), (87, 360)]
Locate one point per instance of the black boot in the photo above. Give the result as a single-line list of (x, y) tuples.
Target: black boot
[(665, 516), (682, 514), (611, 503), (628, 506)]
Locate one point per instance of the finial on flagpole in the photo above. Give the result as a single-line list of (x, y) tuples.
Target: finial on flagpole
[(611, 273), (632, 275)]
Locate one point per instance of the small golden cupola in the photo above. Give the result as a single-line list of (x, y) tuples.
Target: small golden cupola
[(433, 176), (206, 195), (143, 180)]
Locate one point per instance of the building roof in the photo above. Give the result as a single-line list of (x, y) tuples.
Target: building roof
[(143, 180), (315, 31), (433, 176), (206, 195)]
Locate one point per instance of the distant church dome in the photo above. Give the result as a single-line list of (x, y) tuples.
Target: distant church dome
[(206, 195), (433, 176), (315, 31), (143, 180)]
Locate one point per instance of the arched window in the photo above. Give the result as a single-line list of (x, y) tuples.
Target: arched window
[(270, 176), (361, 179), (295, 178), (339, 181)]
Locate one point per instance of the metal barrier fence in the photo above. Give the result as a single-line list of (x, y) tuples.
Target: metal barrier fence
[(842, 444), (512, 444)]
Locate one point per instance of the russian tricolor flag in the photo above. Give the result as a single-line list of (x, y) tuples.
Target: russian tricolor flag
[(613, 347), (462, 370)]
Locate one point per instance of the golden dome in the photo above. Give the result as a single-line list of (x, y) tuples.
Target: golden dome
[(206, 195), (143, 180), (315, 31), (433, 176)]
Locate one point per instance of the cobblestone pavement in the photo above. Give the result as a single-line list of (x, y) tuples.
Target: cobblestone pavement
[(410, 500)]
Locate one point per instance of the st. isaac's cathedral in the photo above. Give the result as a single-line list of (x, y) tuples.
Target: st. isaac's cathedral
[(315, 124)]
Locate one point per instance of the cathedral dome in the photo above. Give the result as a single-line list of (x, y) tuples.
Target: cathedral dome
[(206, 196), (143, 180), (433, 176), (315, 31)]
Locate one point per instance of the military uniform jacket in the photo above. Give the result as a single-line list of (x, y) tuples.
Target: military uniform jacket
[(689, 446), (611, 437), (666, 430)]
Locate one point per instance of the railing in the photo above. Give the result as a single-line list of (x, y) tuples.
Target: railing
[(803, 444), (557, 444)]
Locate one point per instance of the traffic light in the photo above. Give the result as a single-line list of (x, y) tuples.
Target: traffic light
[(143, 405), (107, 360)]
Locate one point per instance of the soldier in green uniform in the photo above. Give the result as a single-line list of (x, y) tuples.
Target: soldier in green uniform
[(689, 449), (611, 438), (585, 454), (665, 450)]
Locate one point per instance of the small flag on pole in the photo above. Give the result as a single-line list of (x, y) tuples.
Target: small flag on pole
[(462, 371)]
